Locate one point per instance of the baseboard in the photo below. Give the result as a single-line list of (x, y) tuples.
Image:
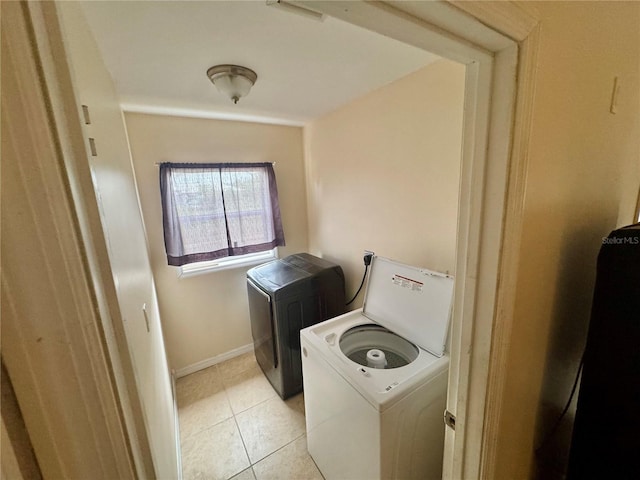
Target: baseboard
[(177, 422), (181, 372)]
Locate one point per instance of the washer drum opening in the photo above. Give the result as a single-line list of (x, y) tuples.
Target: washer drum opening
[(358, 341)]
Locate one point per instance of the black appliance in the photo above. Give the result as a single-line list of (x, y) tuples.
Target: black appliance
[(606, 431), (286, 296)]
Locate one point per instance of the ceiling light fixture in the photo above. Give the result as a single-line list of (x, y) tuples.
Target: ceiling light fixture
[(232, 80)]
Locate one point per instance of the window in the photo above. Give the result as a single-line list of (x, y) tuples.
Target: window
[(217, 210)]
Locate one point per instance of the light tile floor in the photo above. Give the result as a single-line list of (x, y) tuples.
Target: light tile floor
[(233, 425)]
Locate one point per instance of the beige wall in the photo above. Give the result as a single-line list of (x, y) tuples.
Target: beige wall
[(383, 174), (208, 315), (583, 179), (115, 191), (408, 132)]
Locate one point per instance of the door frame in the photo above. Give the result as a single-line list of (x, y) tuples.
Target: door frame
[(93, 327), (56, 329), (497, 41)]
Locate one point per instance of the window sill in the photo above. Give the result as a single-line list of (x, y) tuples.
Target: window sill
[(200, 268)]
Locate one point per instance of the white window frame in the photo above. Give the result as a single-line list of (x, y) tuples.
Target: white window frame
[(227, 263)]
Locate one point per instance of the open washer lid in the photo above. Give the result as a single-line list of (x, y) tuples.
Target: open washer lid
[(413, 302)]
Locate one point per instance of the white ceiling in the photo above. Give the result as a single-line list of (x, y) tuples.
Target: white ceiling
[(158, 53)]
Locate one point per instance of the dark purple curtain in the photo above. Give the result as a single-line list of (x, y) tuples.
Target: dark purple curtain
[(215, 210)]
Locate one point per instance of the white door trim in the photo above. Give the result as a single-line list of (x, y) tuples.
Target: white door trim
[(523, 27), (497, 41), (52, 332), (108, 342)]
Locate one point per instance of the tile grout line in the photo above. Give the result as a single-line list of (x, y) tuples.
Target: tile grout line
[(279, 448), (225, 384), (246, 452), (197, 432), (252, 406), (235, 421)]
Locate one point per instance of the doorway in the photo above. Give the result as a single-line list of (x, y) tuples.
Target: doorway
[(484, 222), (491, 167)]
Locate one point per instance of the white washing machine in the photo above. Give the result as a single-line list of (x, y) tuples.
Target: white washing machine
[(375, 379)]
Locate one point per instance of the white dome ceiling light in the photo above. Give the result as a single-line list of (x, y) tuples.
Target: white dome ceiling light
[(232, 80)]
